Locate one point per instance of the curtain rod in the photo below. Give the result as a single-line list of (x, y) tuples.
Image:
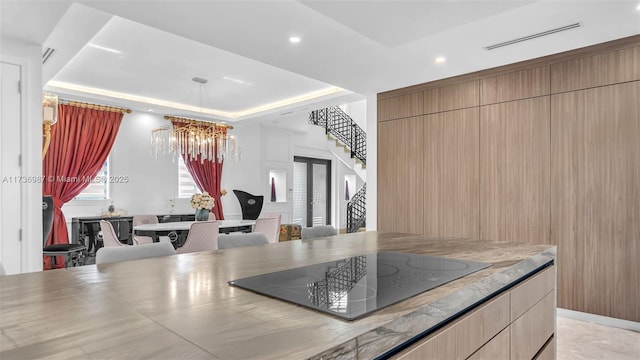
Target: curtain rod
[(181, 119), (96, 106)]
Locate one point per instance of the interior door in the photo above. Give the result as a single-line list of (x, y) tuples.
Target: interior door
[(11, 178), (311, 191)]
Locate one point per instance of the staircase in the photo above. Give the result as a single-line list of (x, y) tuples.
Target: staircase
[(339, 125), (357, 210)]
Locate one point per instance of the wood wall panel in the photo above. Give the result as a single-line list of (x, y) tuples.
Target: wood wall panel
[(588, 205), (514, 171), (400, 184), (595, 200), (597, 70), (451, 173), (400, 107), (514, 86), (452, 97)]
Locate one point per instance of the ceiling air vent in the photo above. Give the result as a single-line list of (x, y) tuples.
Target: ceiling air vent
[(533, 36), (47, 54)]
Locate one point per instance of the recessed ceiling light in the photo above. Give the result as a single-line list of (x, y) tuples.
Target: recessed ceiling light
[(440, 60), (638, 7), (294, 39), (150, 110)]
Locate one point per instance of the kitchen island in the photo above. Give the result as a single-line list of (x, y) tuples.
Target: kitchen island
[(182, 306)]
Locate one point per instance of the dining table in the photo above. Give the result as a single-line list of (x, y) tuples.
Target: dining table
[(175, 229)]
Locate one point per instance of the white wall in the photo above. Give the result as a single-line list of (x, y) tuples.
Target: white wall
[(357, 110), (372, 162)]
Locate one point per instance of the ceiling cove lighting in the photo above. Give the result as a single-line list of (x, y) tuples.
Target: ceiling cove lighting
[(179, 106), (294, 39), (104, 48), (236, 80)]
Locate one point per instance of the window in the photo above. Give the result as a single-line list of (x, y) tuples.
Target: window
[(186, 185), (98, 188)]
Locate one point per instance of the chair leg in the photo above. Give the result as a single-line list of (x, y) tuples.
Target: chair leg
[(79, 258)]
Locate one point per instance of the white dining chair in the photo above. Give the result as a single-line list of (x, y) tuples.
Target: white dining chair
[(203, 236), (109, 237), (270, 227), (141, 220)]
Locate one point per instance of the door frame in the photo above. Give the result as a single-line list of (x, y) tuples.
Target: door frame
[(310, 161)]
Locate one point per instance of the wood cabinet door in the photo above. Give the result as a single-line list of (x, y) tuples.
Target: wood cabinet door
[(400, 175), (451, 173), (514, 171), (595, 180)]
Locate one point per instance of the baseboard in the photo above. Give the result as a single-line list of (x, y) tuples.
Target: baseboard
[(599, 319)]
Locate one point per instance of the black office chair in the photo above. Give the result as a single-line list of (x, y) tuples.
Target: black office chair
[(251, 205), (73, 253)]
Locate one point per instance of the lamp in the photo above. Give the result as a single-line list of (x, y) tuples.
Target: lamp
[(194, 138), (49, 117)]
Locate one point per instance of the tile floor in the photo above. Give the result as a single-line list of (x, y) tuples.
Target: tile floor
[(581, 340)]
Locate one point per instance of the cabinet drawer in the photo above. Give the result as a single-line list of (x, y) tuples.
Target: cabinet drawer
[(497, 348), (464, 336), (525, 295), (549, 351), (532, 330)]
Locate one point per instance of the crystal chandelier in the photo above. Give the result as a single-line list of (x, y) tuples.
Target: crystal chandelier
[(193, 138)]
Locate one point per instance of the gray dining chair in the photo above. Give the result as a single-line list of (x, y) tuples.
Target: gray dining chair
[(227, 241), (140, 220), (111, 254), (318, 231)]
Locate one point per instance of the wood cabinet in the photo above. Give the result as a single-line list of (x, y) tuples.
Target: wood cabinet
[(514, 171), (607, 68), (451, 173), (595, 176), (548, 352), (515, 85), (530, 332), (452, 97), (497, 348), (558, 163), (399, 153), (399, 107), (490, 331)]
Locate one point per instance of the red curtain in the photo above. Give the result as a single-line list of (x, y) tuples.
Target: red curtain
[(207, 175), (80, 143)]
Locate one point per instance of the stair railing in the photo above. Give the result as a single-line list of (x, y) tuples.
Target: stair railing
[(357, 210), (341, 126)]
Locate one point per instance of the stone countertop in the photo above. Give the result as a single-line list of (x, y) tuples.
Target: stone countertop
[(181, 306)]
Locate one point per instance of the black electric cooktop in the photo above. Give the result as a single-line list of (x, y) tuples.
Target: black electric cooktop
[(353, 287)]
